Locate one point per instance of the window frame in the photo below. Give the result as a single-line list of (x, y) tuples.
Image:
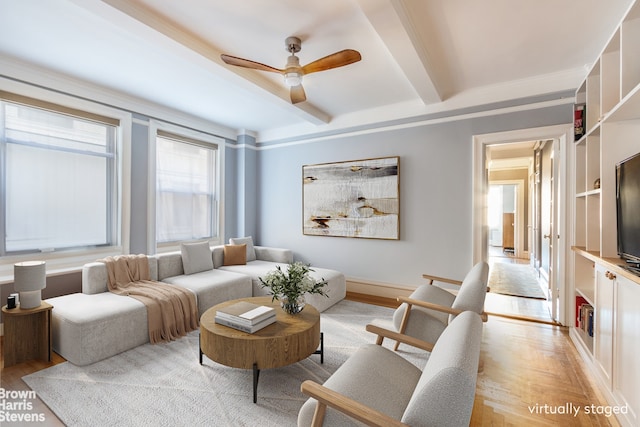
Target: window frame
[(72, 260), (190, 136)]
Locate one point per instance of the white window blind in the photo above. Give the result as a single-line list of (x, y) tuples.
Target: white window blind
[(186, 203), (58, 177)]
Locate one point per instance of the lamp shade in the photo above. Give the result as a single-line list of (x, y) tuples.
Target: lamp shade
[(29, 278)]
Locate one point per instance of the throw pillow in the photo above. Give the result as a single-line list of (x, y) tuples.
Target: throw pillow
[(196, 257), (235, 254), (251, 252)]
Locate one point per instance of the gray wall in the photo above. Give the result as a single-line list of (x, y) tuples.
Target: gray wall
[(435, 189)]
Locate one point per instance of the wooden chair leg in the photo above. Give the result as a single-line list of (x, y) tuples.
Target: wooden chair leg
[(403, 325), (318, 415)]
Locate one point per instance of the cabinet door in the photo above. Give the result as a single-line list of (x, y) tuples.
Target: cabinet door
[(626, 363), (603, 333)]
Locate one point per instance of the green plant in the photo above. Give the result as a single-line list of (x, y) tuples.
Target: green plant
[(293, 283)]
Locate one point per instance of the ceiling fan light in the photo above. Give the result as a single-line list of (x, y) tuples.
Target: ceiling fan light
[(293, 79)]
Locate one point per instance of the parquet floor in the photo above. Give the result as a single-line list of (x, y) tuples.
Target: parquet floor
[(530, 373), (525, 366)]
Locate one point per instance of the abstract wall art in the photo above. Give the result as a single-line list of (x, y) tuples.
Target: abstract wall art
[(358, 198)]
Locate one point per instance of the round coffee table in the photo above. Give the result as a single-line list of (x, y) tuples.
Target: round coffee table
[(290, 339)]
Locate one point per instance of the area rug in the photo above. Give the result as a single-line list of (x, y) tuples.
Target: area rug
[(515, 279), (164, 384)]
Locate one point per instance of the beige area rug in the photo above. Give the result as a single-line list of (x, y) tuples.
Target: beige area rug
[(164, 384), (515, 279)]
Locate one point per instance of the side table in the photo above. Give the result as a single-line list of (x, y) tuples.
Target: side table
[(27, 334)]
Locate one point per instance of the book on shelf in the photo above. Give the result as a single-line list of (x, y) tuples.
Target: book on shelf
[(246, 313), (585, 318), (578, 121), (579, 302), (246, 328)]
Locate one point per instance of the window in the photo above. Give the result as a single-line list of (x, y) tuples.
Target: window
[(186, 188), (58, 176)]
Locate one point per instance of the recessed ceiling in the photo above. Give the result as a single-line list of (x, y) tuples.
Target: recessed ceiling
[(418, 57)]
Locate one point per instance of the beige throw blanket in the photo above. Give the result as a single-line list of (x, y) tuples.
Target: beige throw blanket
[(171, 310)]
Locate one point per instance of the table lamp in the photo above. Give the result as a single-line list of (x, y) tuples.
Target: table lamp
[(29, 278)]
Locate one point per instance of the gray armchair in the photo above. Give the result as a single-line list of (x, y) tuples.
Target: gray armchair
[(378, 387), (429, 309)]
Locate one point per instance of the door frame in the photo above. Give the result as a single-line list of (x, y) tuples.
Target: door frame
[(564, 135)]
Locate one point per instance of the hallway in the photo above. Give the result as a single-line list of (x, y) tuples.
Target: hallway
[(513, 306)]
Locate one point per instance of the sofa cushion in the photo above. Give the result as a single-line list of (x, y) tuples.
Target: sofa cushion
[(95, 276), (213, 286), (196, 257), (88, 328), (336, 281), (235, 254), (251, 253)]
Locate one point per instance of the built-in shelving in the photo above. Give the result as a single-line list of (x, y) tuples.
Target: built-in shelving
[(610, 96)]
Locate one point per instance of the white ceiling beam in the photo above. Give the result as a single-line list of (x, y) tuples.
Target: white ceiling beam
[(391, 21), (204, 50)]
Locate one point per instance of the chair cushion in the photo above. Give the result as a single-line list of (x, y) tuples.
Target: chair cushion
[(374, 376), (423, 323), (196, 257), (473, 290), (445, 393), (251, 253)]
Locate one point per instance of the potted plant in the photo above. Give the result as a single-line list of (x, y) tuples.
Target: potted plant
[(290, 286)]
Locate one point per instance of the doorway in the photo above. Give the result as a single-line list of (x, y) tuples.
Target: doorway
[(507, 217), (502, 218), (507, 143)]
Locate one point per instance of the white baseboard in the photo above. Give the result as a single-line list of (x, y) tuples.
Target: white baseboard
[(379, 289)]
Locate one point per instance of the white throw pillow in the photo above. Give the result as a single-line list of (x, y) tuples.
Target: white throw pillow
[(251, 252), (196, 257)]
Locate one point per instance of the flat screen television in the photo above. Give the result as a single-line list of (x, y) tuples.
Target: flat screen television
[(628, 210)]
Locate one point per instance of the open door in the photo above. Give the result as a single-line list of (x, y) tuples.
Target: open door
[(545, 232)]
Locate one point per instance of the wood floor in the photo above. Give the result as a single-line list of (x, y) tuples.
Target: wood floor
[(529, 372), (510, 306)]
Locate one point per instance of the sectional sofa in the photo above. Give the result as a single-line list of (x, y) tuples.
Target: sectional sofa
[(95, 324)]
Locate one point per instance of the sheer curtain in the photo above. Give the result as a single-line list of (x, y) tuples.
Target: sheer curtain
[(185, 186), (59, 180)]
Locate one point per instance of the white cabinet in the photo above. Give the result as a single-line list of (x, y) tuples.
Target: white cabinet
[(613, 353), (603, 339), (626, 384)]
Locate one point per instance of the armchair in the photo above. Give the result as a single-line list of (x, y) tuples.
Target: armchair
[(378, 387), (429, 309)]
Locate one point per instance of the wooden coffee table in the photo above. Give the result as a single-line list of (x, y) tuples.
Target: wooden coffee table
[(290, 339)]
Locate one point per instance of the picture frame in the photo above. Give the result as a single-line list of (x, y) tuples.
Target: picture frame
[(355, 198)]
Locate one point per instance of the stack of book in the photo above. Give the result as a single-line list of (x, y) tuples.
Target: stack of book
[(246, 317)]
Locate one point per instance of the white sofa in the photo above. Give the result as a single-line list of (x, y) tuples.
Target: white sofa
[(96, 324)]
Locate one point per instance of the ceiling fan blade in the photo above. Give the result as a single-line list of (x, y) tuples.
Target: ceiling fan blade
[(338, 59), (297, 94), (241, 62)]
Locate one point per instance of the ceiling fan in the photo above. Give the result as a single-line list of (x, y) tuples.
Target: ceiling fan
[(293, 72)]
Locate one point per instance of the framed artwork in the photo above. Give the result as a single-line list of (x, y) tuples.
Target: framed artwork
[(359, 198)]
